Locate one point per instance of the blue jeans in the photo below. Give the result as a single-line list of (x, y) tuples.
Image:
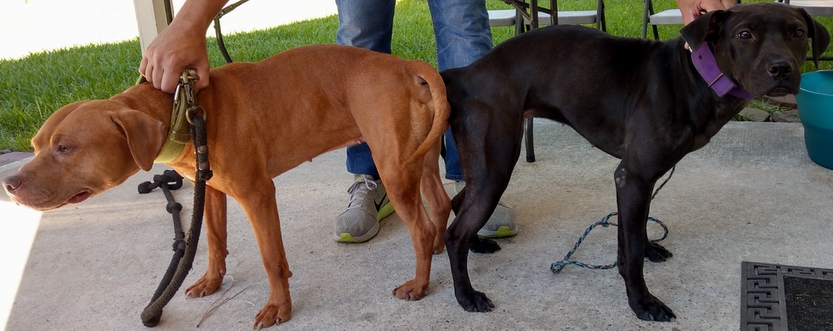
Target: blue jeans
[(461, 28)]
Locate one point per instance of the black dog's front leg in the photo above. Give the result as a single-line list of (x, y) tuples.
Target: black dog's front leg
[(633, 196)]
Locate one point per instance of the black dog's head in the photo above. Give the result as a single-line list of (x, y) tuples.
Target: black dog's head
[(761, 46)]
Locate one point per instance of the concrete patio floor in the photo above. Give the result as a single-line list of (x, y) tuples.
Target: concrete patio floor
[(752, 194)]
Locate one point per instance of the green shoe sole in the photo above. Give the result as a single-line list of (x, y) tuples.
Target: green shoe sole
[(385, 211), (347, 238), (501, 232)]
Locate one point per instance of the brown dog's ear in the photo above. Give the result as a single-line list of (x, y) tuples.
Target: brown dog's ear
[(821, 39), (145, 135), (705, 28)]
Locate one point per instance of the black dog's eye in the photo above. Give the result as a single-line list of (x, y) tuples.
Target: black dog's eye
[(744, 34), (798, 33)]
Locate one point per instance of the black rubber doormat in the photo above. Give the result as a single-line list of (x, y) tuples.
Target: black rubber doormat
[(789, 298)]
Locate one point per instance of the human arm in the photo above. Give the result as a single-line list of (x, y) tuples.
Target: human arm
[(181, 46)]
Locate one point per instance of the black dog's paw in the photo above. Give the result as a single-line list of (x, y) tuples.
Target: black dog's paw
[(656, 253), (481, 245), (476, 302), (651, 309)]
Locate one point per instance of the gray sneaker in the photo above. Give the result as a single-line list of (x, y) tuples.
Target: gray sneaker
[(502, 222), (369, 204)]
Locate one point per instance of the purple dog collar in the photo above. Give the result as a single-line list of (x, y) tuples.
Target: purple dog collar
[(706, 65)]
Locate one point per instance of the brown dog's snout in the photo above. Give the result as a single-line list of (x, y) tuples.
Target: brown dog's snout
[(11, 184)]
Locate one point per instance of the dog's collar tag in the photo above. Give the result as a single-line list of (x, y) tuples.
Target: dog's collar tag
[(706, 65)]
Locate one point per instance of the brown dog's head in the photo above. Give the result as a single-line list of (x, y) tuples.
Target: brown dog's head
[(84, 149), (761, 46)]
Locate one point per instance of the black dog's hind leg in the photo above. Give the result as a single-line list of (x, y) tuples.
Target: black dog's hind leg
[(633, 197), (654, 252), (458, 240), (477, 244), (485, 183)]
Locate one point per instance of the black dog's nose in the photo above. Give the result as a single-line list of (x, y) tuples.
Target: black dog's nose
[(11, 184), (780, 69)]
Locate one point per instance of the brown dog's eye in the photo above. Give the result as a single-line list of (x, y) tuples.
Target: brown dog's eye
[(745, 35), (62, 149), (798, 33)]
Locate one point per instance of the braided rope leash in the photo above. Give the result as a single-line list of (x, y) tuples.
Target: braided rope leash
[(605, 222), (185, 248)]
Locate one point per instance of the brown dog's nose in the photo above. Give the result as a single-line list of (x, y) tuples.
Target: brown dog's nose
[(780, 69), (11, 184)]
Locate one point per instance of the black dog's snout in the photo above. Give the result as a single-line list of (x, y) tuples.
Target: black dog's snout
[(780, 69)]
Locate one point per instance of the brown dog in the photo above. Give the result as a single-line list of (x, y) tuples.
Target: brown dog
[(277, 113)]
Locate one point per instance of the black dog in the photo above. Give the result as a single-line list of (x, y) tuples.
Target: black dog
[(641, 101)]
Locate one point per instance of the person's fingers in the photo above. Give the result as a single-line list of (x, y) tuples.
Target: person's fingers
[(143, 66), (688, 15), (728, 4), (202, 72), (155, 75), (691, 10), (709, 6), (169, 81)]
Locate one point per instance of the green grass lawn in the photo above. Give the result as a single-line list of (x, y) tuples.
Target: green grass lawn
[(35, 86)]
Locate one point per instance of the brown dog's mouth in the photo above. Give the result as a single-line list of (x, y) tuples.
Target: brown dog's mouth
[(80, 197)]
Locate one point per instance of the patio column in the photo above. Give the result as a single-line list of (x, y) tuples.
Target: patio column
[(151, 18)]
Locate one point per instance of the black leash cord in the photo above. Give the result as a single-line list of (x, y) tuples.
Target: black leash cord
[(184, 251), (167, 181)]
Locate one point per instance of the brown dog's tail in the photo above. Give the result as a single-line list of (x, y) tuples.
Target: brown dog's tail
[(429, 78)]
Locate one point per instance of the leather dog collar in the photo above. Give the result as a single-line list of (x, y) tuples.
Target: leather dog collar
[(706, 65), (179, 132)]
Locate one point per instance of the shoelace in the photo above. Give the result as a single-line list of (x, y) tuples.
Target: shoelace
[(357, 199)]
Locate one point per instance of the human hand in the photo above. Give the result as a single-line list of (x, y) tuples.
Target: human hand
[(692, 9), (171, 52), (181, 46)]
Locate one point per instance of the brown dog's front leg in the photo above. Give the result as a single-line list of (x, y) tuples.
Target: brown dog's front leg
[(215, 225), (633, 196)]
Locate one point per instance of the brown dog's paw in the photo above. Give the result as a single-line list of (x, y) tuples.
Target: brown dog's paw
[(204, 286), (272, 314), (439, 245), (411, 290)]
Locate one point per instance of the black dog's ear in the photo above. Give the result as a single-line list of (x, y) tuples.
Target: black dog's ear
[(705, 28), (821, 39)]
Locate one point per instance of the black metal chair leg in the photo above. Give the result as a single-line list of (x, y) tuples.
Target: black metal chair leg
[(530, 146)]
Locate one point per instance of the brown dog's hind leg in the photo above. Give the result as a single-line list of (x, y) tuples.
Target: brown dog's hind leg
[(215, 232), (401, 187), (434, 192)]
